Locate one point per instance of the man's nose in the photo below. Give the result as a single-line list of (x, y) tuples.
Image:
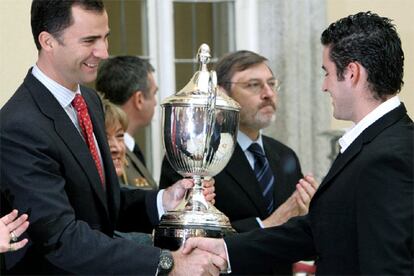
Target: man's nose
[(267, 91), (101, 50)]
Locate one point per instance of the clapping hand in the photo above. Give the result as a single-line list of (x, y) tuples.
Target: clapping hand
[(296, 205)]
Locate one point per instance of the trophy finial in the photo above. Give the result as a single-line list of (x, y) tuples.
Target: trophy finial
[(204, 55)]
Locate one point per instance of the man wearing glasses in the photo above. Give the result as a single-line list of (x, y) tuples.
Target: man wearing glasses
[(262, 185)]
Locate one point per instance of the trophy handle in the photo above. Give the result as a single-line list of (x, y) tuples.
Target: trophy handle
[(210, 119)]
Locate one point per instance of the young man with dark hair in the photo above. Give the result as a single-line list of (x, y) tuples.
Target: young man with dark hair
[(360, 220)]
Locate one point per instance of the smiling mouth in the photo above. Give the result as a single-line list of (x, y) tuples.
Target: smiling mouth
[(91, 65)]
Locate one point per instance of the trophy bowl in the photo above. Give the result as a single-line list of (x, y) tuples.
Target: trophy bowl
[(200, 126)]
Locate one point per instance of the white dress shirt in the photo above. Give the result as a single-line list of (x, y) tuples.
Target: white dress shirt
[(129, 141), (245, 142), (346, 140)]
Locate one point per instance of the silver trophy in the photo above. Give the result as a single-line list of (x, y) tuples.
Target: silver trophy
[(200, 126)]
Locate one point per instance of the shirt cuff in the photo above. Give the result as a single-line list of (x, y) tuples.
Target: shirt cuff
[(259, 221), (228, 271), (160, 207)]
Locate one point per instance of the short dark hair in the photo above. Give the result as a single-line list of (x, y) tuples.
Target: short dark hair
[(234, 62), (54, 16), (119, 77), (372, 41)]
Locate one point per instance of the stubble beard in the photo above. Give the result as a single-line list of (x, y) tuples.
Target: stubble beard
[(258, 121), (263, 121)]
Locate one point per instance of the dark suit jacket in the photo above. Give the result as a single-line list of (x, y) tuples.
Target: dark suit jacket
[(239, 195), (361, 218), (47, 171)]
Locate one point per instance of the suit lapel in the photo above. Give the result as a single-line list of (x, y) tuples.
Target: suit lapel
[(239, 169), (141, 167), (138, 153), (365, 137), (341, 161), (67, 132)]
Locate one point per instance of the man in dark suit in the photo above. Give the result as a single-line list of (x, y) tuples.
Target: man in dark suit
[(128, 81), (56, 164), (360, 220), (246, 77)]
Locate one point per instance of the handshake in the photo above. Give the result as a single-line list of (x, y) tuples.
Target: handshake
[(200, 256)]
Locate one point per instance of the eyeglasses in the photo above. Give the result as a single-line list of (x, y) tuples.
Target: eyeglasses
[(256, 86)]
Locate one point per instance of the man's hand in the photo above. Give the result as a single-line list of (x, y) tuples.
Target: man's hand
[(197, 262), (208, 190), (174, 194), (305, 190), (296, 205)]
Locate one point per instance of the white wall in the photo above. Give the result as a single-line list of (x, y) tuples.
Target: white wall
[(401, 11), (17, 49)]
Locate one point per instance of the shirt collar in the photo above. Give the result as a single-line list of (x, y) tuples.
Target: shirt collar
[(63, 95), (129, 141), (346, 140), (245, 142)]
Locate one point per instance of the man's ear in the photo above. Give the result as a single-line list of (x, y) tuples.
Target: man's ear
[(138, 99), (354, 72), (47, 41)]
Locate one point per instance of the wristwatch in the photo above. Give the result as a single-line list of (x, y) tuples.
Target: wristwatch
[(166, 262)]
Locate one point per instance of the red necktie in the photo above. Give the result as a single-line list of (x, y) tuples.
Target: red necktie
[(87, 130)]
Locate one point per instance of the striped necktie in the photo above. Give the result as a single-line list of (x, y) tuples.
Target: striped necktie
[(263, 174)]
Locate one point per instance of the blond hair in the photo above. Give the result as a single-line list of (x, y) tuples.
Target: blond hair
[(114, 114)]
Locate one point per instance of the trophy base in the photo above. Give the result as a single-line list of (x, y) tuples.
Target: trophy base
[(177, 226), (173, 238)]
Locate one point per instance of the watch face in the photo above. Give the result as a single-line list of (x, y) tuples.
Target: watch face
[(166, 262)]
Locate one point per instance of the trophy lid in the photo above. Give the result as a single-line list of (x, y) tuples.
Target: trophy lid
[(201, 87)]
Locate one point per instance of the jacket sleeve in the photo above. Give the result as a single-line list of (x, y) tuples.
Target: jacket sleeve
[(245, 225), (255, 252), (168, 175)]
